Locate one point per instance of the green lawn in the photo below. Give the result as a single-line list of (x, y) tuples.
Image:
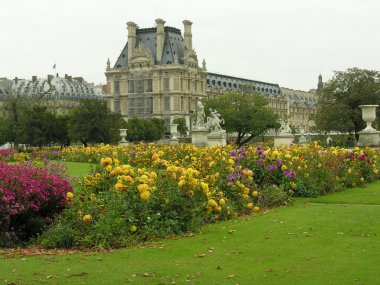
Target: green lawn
[(78, 169), (328, 240)]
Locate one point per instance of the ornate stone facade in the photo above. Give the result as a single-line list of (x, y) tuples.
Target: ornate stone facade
[(157, 75)]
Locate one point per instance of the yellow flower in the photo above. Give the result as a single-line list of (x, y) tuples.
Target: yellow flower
[(106, 161), (86, 218), (204, 187), (153, 175), (349, 170), (256, 209), (362, 179), (143, 187), (109, 168), (145, 195), (69, 195), (133, 228), (255, 193), (375, 171), (128, 179), (222, 202), (249, 206), (155, 156), (284, 167), (212, 203), (120, 186)]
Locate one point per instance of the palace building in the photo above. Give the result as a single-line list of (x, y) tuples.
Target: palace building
[(158, 75), (63, 93)]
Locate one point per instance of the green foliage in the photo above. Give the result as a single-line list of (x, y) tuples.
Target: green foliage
[(338, 105), (272, 195), (246, 114), (93, 122), (145, 130), (182, 128), (39, 126)]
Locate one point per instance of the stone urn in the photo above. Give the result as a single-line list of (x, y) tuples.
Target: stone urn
[(368, 115), (173, 130), (369, 136), (123, 134)]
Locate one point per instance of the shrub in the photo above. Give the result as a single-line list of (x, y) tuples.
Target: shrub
[(272, 196), (29, 198)]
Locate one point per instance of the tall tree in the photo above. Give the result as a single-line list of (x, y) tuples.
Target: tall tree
[(145, 130), (38, 125), (245, 113), (92, 121), (339, 101)]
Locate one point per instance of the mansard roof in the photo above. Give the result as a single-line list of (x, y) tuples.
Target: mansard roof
[(173, 46), (232, 83)]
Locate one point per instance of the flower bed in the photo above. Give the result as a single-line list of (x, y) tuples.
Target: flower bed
[(30, 196), (145, 191)]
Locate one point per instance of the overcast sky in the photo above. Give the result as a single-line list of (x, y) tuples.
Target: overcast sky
[(289, 42)]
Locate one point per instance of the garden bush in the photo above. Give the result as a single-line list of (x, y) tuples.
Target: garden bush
[(30, 197)]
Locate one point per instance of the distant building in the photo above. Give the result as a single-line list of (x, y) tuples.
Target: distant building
[(61, 93), (158, 75)]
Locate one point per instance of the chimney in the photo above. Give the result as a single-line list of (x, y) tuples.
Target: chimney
[(131, 26), (160, 34), (16, 80), (34, 78), (50, 77), (188, 38)]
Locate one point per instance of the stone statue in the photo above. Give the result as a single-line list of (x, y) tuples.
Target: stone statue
[(284, 129), (200, 123), (214, 121)]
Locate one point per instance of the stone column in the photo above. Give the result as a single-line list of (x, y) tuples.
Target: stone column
[(131, 38), (188, 37), (160, 34)]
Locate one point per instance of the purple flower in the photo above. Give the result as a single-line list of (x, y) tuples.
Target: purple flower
[(234, 153), (279, 162), (260, 162)]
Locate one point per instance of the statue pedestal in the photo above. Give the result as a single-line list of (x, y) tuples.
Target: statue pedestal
[(369, 138), (173, 141), (124, 143), (217, 138), (199, 137), (286, 139), (302, 140)]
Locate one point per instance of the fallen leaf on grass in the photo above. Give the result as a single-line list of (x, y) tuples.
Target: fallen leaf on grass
[(76, 274), (231, 232), (231, 276), (200, 255)]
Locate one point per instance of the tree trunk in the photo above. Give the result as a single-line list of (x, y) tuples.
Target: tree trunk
[(84, 143)]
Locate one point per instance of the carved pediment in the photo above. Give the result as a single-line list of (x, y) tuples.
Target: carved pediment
[(191, 56), (141, 54)]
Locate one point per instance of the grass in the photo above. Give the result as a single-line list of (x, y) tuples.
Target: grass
[(327, 240), (77, 169)]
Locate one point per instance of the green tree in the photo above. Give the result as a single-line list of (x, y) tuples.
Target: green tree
[(93, 122), (338, 105), (245, 113), (38, 125), (13, 109), (182, 128), (145, 130)]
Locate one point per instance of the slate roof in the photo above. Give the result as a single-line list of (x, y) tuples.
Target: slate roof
[(173, 45)]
